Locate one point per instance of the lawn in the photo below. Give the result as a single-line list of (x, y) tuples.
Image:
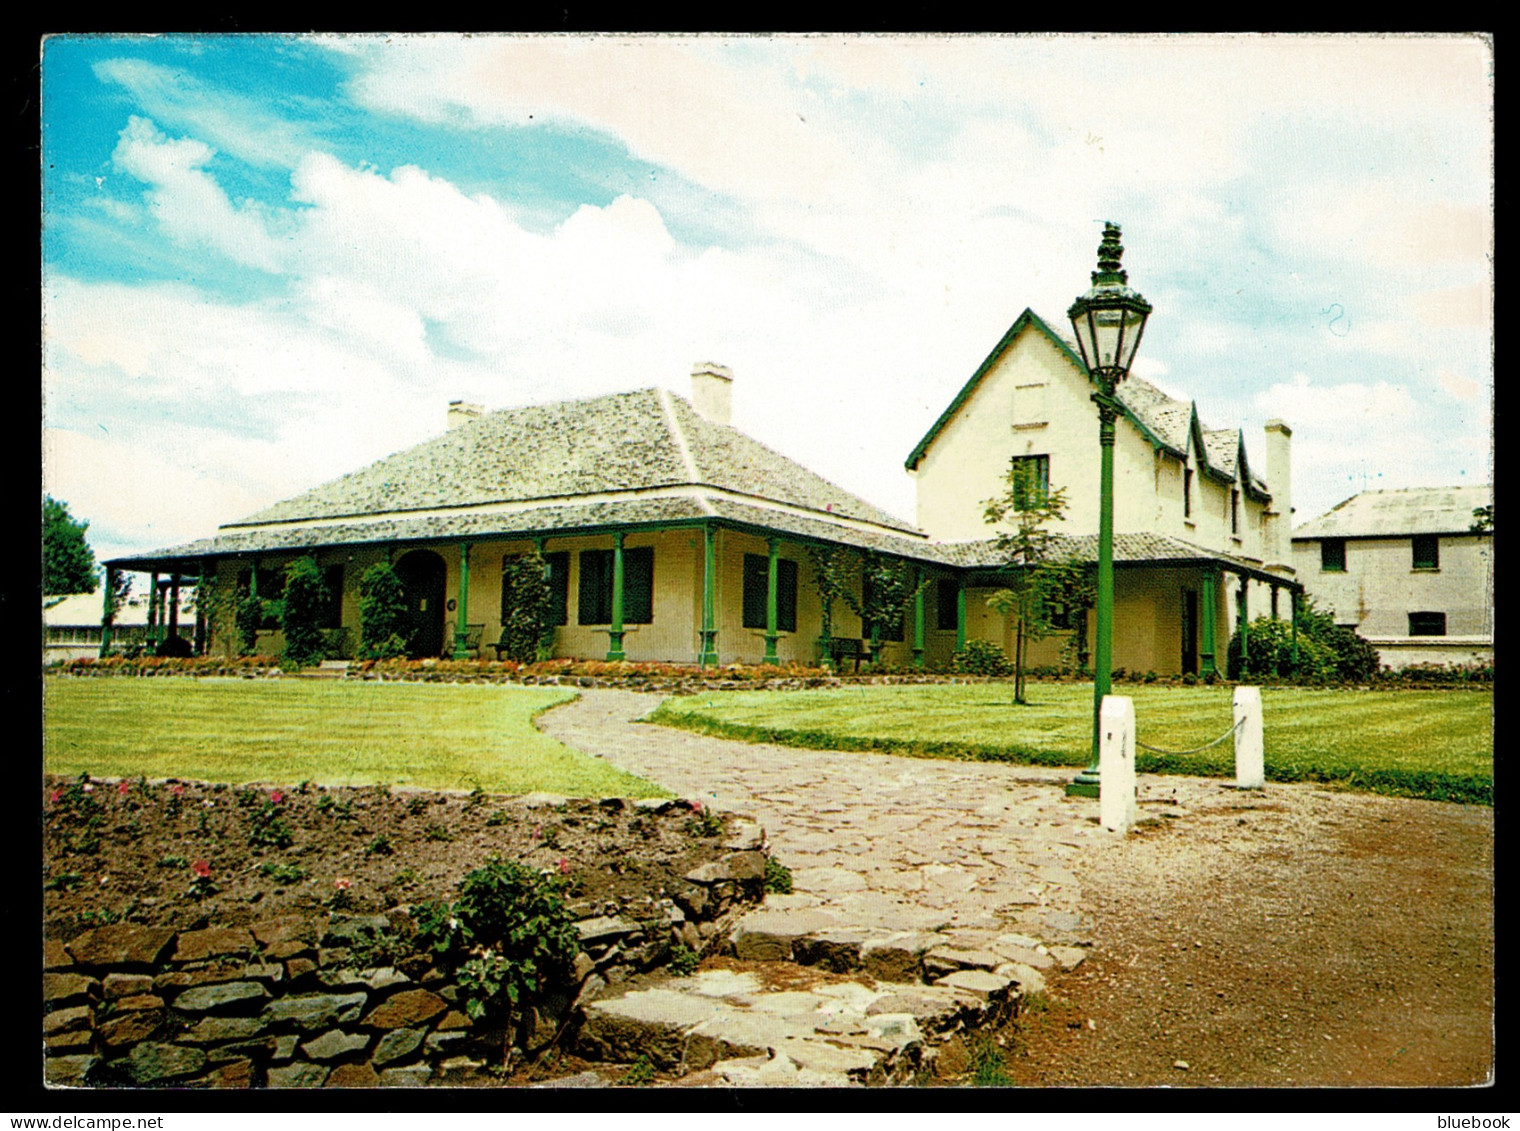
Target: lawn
[(433, 736), (1435, 744)]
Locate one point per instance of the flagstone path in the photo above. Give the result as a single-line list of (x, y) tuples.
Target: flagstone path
[(907, 869)]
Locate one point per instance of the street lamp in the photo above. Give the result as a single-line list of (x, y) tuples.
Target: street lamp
[(1108, 321)]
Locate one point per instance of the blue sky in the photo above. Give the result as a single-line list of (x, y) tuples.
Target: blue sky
[(269, 260)]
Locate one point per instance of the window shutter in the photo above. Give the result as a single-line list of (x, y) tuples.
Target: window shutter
[(638, 586), (756, 569), (786, 595), (595, 587)]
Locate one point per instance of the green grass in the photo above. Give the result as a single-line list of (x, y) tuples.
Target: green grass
[(432, 736), (1431, 744)]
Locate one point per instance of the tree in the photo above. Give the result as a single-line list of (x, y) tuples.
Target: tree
[(1042, 581), (68, 563), (832, 576), (384, 622), (1483, 520), (302, 611), (528, 629), (886, 589)]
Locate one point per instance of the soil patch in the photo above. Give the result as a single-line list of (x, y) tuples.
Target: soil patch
[(1333, 940), (187, 854)]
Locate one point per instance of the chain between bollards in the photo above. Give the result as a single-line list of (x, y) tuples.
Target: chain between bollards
[(1194, 750)]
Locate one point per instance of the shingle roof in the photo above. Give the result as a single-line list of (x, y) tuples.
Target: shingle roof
[(1414, 510), (1129, 549), (622, 442), (1166, 417)]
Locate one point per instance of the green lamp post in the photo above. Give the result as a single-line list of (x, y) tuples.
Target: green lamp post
[(1108, 321)]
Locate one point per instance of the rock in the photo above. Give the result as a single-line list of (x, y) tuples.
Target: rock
[(288, 928), (746, 836), (129, 1028), (205, 976), (265, 971), (345, 930), (897, 957), (63, 989), (767, 935), (228, 996), (398, 1044), (127, 985), (299, 967), (409, 1076), (234, 1074), (581, 967), (340, 978), (214, 1030), (409, 1007), (1070, 957), (453, 1019), (382, 977), (140, 1002), (284, 1047), (67, 1020), (692, 899), (836, 950), (353, 1076), (292, 949), (54, 955), (579, 1080), (437, 1041), (213, 942), (151, 1062), (691, 938), (1030, 980), (121, 944), (1182, 1064), (1027, 955), (302, 1074), (76, 1041), (983, 983), (945, 959), (739, 866), (334, 1045), (593, 985), (605, 927), (69, 1071), (316, 1011)]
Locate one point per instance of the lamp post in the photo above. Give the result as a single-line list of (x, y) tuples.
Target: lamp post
[(1108, 321)]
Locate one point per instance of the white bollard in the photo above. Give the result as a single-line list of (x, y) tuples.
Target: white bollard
[(1117, 808), (1250, 748)]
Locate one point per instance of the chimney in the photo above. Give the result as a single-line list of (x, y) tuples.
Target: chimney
[(711, 390), (1280, 483), (462, 412)]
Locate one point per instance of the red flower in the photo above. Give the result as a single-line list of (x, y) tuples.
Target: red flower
[(177, 789), (277, 797), (342, 883), (55, 795), (124, 787), (202, 869), (696, 807), (564, 866)]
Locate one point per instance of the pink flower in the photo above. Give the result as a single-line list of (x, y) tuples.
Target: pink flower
[(342, 883), (177, 789), (564, 866), (277, 797), (202, 869), (89, 787), (55, 795), (696, 807), (123, 787)]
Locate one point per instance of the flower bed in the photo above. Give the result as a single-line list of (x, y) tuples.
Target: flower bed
[(201, 935)]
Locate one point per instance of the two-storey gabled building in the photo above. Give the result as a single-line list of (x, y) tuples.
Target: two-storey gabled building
[(1410, 570)]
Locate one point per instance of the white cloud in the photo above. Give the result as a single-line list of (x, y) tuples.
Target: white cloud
[(187, 201)]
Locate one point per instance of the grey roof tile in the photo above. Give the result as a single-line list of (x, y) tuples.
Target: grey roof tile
[(1413, 510)]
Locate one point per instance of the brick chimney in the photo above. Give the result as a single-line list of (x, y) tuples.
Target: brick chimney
[(462, 412), (1280, 484), (712, 390)]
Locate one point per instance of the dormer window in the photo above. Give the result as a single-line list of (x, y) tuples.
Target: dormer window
[(1187, 492)]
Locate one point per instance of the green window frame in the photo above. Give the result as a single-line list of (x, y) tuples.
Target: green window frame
[(1332, 555), (1427, 624), (1030, 480), (1425, 551), (757, 585), (595, 604)]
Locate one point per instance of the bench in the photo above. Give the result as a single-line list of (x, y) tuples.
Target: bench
[(845, 648)]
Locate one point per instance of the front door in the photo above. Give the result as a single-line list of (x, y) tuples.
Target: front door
[(1190, 632), (423, 575)]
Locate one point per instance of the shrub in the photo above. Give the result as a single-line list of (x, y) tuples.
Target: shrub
[(267, 830), (778, 877), (384, 631), (303, 611), (1326, 652), (248, 613), (528, 627), (504, 938), (981, 657), (683, 960)]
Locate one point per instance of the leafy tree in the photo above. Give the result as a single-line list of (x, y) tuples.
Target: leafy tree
[(1326, 650), (68, 563), (1483, 520), (384, 623), (528, 629), (1042, 580), (302, 611), (833, 578)]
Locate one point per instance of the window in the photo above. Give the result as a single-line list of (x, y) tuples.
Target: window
[(1030, 479), (559, 587), (1427, 551), (332, 609), (270, 587), (756, 586), (1234, 510), (1332, 555), (1427, 624), (1187, 492), (596, 586), (945, 597)]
